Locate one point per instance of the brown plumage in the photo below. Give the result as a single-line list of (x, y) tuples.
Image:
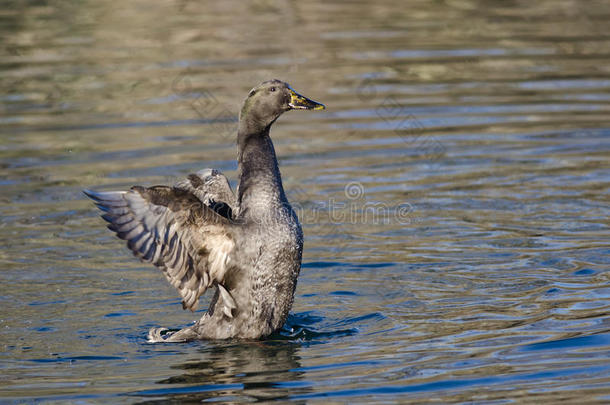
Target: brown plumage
[(201, 235)]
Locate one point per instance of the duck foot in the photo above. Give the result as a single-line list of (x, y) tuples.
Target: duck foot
[(161, 335)]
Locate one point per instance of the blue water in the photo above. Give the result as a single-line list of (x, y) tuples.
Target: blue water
[(454, 198)]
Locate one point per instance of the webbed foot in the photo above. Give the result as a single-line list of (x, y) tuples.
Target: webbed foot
[(161, 335)]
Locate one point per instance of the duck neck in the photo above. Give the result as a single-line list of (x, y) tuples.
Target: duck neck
[(260, 184)]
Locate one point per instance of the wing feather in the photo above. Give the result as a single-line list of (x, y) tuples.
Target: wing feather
[(177, 231), (212, 188)]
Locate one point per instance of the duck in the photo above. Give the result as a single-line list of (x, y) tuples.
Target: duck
[(246, 246)]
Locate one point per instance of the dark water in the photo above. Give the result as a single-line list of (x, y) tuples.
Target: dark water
[(454, 196)]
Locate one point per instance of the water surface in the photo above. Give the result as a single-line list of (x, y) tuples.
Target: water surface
[(454, 197)]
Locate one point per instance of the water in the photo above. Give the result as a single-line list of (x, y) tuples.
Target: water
[(454, 197)]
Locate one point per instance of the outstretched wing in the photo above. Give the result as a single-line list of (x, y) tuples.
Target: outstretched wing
[(177, 232)]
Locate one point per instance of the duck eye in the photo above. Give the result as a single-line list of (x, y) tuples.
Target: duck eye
[(272, 89)]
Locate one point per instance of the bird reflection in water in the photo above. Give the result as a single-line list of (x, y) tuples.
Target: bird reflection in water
[(237, 372)]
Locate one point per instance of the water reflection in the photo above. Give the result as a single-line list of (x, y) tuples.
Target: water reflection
[(488, 120), (256, 371)]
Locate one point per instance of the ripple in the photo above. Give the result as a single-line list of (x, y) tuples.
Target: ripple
[(492, 287)]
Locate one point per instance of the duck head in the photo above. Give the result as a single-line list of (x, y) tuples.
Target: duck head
[(267, 101)]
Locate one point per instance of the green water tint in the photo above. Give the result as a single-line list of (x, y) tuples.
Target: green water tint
[(454, 197)]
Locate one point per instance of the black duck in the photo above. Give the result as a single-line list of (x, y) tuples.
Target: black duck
[(247, 246)]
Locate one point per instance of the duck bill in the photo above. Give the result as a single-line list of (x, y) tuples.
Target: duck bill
[(299, 102)]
